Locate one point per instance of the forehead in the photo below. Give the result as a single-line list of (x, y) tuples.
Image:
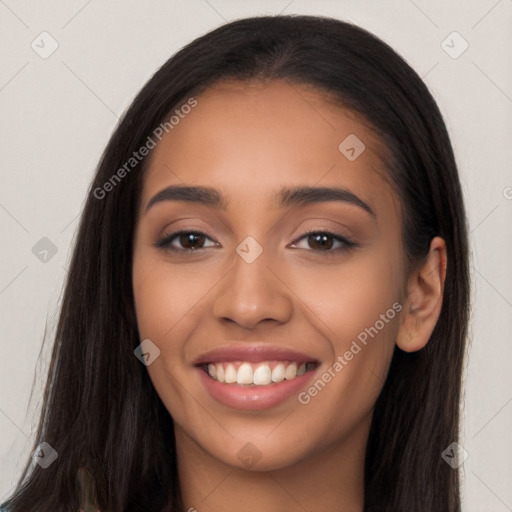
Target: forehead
[(251, 138)]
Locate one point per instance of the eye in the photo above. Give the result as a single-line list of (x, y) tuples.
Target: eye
[(323, 241), (191, 241), (319, 241)]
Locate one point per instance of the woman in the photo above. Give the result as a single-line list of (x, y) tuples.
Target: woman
[(268, 298)]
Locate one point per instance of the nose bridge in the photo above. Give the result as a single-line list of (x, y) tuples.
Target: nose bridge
[(251, 292)]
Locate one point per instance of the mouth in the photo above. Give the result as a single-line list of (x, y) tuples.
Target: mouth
[(254, 376), (245, 373)]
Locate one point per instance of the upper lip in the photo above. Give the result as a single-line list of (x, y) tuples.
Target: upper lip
[(253, 353)]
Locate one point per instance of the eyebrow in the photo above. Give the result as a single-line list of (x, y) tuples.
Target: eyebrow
[(286, 197)]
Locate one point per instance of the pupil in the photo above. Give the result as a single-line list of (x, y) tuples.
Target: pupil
[(322, 239), (188, 238)]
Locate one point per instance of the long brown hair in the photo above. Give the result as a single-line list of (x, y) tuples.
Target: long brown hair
[(100, 409)]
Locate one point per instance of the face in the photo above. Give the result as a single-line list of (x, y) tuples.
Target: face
[(285, 276)]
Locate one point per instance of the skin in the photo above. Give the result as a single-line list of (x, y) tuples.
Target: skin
[(247, 140)]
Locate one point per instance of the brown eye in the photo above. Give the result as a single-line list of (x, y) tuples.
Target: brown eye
[(191, 240), (184, 241), (320, 241), (325, 242)]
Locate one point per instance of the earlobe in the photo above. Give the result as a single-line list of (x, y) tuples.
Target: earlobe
[(424, 299)]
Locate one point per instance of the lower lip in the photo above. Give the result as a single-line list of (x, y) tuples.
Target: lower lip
[(253, 398)]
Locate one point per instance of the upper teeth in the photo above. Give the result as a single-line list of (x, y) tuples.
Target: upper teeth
[(259, 374)]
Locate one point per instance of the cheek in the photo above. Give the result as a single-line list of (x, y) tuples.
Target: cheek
[(171, 303), (161, 314), (167, 301), (351, 296), (357, 305), (165, 295)]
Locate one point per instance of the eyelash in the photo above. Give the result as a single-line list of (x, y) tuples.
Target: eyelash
[(164, 242)]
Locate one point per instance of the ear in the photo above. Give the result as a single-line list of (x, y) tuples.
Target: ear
[(424, 299)]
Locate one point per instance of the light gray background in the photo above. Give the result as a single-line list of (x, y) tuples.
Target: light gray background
[(56, 115)]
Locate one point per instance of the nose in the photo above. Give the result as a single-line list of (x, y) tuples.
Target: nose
[(252, 293)]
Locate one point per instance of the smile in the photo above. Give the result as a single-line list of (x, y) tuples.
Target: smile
[(256, 374)]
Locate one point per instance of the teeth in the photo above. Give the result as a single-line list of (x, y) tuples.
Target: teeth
[(244, 375), (220, 372), (230, 374), (291, 371), (256, 374), (262, 375), (278, 373)]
